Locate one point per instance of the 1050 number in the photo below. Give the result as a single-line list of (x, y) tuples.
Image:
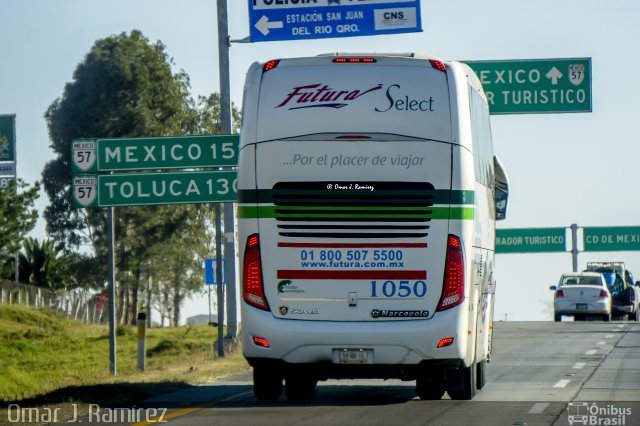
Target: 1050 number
[(398, 289)]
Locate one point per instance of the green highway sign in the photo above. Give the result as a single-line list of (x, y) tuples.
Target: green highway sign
[(536, 85), (530, 240), (180, 152), (621, 238), (8, 138), (5, 181), (145, 189)]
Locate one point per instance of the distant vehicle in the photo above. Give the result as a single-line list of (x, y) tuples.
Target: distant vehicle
[(368, 194), (625, 295), (582, 295)]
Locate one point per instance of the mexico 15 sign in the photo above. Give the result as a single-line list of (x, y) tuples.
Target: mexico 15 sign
[(530, 240), (272, 20), (536, 85), (145, 189), (180, 152)]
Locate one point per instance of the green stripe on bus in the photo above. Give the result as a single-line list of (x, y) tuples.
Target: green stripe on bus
[(437, 213), (358, 208)]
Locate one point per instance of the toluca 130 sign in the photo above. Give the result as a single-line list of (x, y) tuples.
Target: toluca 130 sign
[(142, 189)]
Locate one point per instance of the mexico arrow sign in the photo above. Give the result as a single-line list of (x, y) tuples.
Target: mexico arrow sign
[(532, 86)]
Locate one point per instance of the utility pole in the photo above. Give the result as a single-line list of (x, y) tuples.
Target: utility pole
[(112, 292), (225, 127)]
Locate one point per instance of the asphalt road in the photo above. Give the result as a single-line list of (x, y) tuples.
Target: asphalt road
[(539, 375)]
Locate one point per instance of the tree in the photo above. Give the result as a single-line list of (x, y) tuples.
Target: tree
[(17, 217), (40, 264), (125, 87)]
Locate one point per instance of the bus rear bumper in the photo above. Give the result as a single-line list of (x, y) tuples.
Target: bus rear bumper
[(409, 342)]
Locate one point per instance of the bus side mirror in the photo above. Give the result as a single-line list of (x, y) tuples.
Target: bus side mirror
[(501, 188)]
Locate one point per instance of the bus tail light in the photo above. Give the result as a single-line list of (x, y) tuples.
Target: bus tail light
[(443, 343), (253, 290), (261, 341), (453, 286), (343, 60), (439, 65), (268, 66)]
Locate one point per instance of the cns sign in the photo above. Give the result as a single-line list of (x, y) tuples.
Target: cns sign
[(273, 20)]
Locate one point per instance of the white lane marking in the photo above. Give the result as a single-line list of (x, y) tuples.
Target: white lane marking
[(609, 336), (591, 352), (562, 383), (579, 365), (539, 408), (602, 343)]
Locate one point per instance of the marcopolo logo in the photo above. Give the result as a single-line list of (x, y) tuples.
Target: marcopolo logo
[(323, 96), (383, 313)]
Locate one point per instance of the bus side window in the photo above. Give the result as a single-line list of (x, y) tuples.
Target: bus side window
[(481, 135)]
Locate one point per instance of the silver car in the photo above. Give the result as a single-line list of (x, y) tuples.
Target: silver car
[(582, 294)]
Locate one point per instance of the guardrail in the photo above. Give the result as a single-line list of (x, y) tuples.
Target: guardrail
[(75, 304)]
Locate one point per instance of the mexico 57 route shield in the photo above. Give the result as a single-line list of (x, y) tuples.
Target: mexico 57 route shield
[(273, 20)]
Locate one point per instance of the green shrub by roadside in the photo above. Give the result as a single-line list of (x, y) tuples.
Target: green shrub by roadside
[(41, 352)]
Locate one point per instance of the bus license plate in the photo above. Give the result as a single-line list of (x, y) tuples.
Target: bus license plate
[(353, 356), (581, 306)]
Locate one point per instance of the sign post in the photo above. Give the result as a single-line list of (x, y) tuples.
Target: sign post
[(536, 86), (271, 20)]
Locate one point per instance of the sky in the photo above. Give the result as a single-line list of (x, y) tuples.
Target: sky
[(581, 168)]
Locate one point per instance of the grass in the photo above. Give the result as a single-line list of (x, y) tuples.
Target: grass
[(46, 359)]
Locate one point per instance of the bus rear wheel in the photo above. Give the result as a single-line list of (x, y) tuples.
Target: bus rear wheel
[(464, 383), (267, 383), (431, 385), (299, 387)]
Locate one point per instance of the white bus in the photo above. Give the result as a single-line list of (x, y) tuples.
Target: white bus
[(368, 194)]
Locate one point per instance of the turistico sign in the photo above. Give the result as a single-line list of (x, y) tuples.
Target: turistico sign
[(536, 85), (530, 240)]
